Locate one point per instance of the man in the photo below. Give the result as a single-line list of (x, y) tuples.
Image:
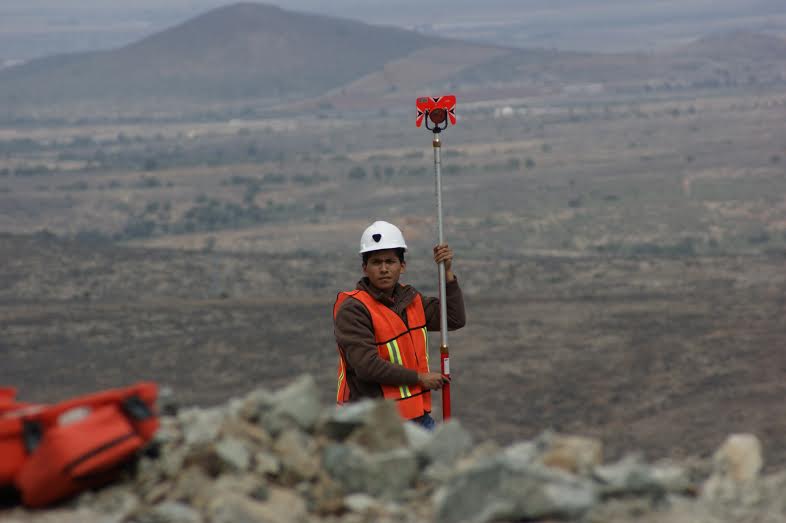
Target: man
[(381, 326)]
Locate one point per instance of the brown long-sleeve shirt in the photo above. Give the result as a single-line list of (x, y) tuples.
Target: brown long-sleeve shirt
[(354, 330)]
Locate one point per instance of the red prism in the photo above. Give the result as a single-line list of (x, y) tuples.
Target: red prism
[(427, 105)]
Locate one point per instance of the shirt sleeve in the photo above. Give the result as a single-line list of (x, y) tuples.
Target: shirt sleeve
[(355, 335), (456, 314)]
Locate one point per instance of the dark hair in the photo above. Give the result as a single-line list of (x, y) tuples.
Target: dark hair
[(399, 255)]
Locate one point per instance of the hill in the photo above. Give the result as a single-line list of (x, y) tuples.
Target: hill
[(737, 45), (241, 51), (246, 58)]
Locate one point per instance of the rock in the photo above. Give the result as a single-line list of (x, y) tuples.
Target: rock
[(736, 468), (417, 436), (191, 486), (117, 500), (148, 475), (449, 443), (168, 432), (500, 489), (385, 474), (267, 464), (249, 485), (360, 503), (297, 405), (521, 453), (673, 478), (235, 408), (631, 476), (382, 428), (393, 472), (82, 515), (438, 472), (325, 495), (252, 434), (341, 421), (172, 460), (483, 451), (375, 425), (574, 454), (296, 452), (283, 506), (255, 404), (344, 463), (169, 512), (166, 401), (649, 510), (739, 458), (206, 458), (201, 427), (773, 486), (157, 493), (233, 454)]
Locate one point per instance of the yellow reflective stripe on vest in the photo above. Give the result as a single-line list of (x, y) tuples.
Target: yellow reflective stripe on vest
[(425, 340), (340, 379), (395, 357)]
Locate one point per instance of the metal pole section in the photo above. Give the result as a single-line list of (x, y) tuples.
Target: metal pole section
[(443, 304)]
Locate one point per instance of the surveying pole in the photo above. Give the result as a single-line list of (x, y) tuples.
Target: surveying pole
[(440, 110)]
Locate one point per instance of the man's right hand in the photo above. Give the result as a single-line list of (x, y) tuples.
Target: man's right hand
[(432, 380)]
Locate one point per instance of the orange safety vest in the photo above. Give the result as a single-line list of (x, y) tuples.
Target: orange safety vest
[(397, 343)]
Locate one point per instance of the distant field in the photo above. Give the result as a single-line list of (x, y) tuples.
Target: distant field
[(704, 175)]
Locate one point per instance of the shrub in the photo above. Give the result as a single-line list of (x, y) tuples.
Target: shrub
[(138, 228), (357, 173), (759, 237), (149, 182), (76, 186)]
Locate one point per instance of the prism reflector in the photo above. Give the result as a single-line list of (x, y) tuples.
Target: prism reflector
[(442, 105)]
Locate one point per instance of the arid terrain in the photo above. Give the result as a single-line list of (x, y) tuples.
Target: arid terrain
[(622, 260)]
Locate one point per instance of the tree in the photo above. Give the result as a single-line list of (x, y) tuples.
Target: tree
[(357, 173)]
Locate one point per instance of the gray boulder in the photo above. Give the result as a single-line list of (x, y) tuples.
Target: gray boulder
[(385, 474), (169, 512), (449, 442), (502, 489), (632, 476), (297, 405)]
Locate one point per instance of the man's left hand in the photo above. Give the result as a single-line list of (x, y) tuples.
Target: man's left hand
[(443, 253)]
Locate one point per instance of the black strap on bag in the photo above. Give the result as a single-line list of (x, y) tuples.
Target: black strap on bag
[(32, 433), (135, 408)]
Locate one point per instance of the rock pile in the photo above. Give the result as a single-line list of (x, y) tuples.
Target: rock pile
[(283, 457)]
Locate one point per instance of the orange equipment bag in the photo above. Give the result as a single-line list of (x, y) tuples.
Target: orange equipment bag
[(12, 447), (58, 450)]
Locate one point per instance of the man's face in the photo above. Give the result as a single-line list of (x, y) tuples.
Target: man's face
[(383, 269)]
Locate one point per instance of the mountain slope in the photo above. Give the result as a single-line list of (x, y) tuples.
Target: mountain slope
[(737, 45), (247, 56), (243, 50)]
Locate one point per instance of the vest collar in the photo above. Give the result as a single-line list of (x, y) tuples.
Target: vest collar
[(401, 298)]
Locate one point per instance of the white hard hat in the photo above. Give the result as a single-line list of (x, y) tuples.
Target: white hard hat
[(381, 235)]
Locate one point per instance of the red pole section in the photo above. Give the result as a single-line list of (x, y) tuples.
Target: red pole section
[(444, 360)]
